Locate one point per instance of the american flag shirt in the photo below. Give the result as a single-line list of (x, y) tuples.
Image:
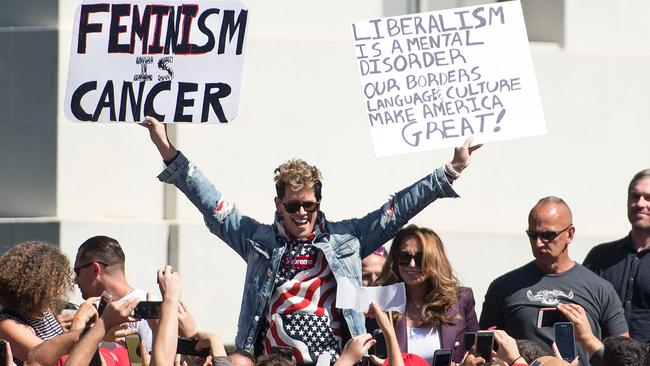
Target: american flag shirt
[(301, 314)]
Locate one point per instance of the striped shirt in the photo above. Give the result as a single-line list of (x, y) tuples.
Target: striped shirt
[(45, 328)]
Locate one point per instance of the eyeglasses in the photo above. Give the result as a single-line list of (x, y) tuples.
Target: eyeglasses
[(294, 206), (546, 235), (404, 259), (77, 270)]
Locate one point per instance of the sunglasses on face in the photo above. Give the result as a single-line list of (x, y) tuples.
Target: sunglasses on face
[(545, 235), (404, 259), (294, 206), (77, 270)]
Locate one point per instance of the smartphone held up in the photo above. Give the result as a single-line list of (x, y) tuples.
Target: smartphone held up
[(379, 349), (442, 357), (187, 347), (547, 317), (565, 340), (484, 344), (3, 350), (147, 310)]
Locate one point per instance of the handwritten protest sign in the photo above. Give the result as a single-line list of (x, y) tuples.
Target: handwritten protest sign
[(177, 62), (430, 80)]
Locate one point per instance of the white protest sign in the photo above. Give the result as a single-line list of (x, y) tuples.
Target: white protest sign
[(178, 62), (389, 298), (430, 80)]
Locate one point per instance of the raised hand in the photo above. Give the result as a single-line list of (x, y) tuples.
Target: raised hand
[(472, 360), (86, 313), (117, 313), (508, 350), (9, 356), (158, 135), (65, 319), (169, 283), (462, 155), (186, 324), (355, 349), (212, 341), (576, 315)]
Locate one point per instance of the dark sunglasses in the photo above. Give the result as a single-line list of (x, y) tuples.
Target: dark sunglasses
[(404, 259), (545, 235), (294, 206), (77, 270)]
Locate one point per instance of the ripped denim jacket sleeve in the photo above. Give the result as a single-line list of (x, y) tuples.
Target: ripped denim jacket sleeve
[(221, 216)]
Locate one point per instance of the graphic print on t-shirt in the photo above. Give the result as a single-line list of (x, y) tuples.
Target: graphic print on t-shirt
[(549, 297), (301, 312)]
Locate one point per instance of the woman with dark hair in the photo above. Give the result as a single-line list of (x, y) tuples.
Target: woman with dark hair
[(35, 278), (438, 309)]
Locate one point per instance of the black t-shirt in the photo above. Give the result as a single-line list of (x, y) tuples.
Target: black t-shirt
[(513, 300), (629, 272)]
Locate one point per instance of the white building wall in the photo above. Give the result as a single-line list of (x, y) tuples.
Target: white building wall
[(301, 98)]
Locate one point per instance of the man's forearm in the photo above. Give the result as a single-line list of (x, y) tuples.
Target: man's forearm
[(50, 351), (392, 348), (83, 351), (164, 347), (590, 343)]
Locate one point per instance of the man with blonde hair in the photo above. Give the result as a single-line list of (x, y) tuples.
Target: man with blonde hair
[(294, 264)]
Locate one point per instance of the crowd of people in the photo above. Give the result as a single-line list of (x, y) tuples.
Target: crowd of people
[(288, 312)]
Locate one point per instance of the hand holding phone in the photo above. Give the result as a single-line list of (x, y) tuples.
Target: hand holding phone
[(442, 357), (565, 340), (469, 340), (484, 344), (505, 346), (379, 349), (185, 346), (147, 310), (3, 352), (105, 299), (546, 317)]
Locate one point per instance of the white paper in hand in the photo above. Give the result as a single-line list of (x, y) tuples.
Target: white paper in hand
[(389, 298)]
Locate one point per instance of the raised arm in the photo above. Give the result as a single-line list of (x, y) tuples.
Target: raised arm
[(507, 350), (9, 356), (462, 155), (22, 337), (355, 349), (166, 339), (158, 135), (576, 315), (114, 314), (221, 215), (379, 226), (392, 346), (50, 351), (87, 313), (186, 324), (214, 342)]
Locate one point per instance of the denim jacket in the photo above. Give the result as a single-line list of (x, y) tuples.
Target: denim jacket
[(344, 244)]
